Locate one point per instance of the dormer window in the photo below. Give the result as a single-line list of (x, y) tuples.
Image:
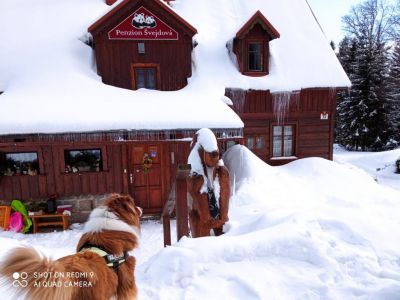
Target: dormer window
[(251, 45), (255, 57)]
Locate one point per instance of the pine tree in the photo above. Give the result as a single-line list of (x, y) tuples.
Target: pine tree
[(345, 131), (363, 119), (394, 93)]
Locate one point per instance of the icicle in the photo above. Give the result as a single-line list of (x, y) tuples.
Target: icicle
[(238, 97), (231, 54), (281, 103), (332, 92)]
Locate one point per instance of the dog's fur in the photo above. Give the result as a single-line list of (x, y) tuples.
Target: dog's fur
[(114, 227)]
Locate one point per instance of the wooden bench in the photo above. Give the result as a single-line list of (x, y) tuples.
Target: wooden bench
[(45, 220)]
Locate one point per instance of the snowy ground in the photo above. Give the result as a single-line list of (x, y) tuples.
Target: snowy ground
[(380, 165), (312, 229)]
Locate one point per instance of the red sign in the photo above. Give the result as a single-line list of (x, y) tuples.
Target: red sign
[(142, 25)]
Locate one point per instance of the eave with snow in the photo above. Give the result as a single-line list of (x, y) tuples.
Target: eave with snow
[(133, 80)]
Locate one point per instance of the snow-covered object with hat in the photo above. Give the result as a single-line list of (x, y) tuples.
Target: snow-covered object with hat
[(208, 186)]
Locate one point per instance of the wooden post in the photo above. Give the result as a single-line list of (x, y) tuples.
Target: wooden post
[(182, 228), (167, 230), (65, 221), (166, 215), (177, 200)]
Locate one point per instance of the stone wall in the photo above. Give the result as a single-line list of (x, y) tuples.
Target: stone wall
[(81, 205)]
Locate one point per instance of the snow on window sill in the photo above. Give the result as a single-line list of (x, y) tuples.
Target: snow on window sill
[(284, 158)]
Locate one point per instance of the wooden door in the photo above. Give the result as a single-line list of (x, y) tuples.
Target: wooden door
[(145, 176)]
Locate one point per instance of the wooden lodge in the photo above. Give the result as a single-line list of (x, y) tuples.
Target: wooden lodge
[(147, 44), (139, 164)]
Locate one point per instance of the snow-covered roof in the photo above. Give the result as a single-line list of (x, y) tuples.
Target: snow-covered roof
[(300, 58), (50, 83)]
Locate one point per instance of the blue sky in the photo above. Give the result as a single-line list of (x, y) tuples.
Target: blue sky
[(329, 14)]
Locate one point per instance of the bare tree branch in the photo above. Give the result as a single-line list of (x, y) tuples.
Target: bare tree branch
[(376, 21)]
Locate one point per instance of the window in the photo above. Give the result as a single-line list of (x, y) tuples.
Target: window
[(21, 163), (87, 160), (260, 143), (250, 143), (251, 45), (257, 142), (145, 78), (283, 141), (230, 144), (255, 57), (141, 48), (145, 75), (225, 145)]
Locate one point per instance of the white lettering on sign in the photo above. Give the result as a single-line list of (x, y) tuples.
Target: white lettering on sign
[(158, 33), (142, 25), (128, 33), (144, 33)]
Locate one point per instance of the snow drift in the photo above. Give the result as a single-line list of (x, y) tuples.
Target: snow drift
[(312, 229)]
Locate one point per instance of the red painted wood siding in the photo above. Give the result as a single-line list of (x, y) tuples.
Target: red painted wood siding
[(314, 137), (114, 58), (52, 178), (113, 179)]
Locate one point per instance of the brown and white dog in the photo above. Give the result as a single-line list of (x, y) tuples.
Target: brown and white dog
[(101, 268)]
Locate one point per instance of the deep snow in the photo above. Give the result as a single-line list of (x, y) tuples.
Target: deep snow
[(312, 229), (378, 164)]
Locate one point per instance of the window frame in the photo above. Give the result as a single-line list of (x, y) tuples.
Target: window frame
[(224, 143), (253, 142), (258, 55), (141, 47), (260, 146), (263, 56), (259, 141), (282, 140), (136, 66), (40, 166), (103, 156)]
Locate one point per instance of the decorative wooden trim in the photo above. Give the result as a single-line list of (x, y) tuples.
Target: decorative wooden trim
[(124, 3), (258, 17), (255, 74), (110, 136), (145, 65)]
